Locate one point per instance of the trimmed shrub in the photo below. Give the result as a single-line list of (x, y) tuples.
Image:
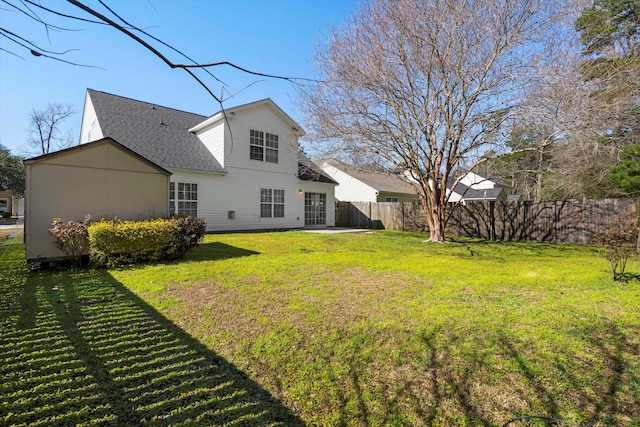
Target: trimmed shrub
[(115, 242), (71, 238)]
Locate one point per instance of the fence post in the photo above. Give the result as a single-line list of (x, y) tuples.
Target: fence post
[(492, 218)]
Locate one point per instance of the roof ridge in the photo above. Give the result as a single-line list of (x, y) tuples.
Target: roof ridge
[(146, 102)]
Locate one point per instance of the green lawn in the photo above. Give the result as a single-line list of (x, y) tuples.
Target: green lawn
[(295, 328)]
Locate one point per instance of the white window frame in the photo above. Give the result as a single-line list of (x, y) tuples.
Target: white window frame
[(183, 198), (272, 203), (263, 146)]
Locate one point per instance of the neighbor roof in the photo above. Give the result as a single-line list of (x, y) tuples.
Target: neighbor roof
[(495, 181), (485, 194), (382, 182)]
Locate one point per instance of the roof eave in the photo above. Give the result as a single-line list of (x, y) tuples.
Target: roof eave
[(88, 145)]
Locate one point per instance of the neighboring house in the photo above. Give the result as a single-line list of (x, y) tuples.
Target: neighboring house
[(359, 185), (11, 203), (6, 199), (239, 169), (102, 178), (475, 187)]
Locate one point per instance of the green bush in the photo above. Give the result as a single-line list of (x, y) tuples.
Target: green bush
[(116, 242), (6, 214)]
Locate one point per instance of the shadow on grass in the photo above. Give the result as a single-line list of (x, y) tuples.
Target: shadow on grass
[(554, 393), (607, 402), (217, 251), (452, 385), (77, 347), (458, 381)]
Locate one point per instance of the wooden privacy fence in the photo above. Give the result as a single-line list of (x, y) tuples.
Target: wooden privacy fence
[(567, 221)]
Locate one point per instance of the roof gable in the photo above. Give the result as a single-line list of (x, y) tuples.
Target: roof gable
[(220, 115), (89, 146), (475, 180)]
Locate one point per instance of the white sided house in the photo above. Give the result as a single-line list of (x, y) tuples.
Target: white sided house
[(360, 185), (239, 169), (475, 187)]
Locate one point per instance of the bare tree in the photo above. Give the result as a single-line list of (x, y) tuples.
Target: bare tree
[(45, 127), (427, 84), (553, 123), (608, 120)]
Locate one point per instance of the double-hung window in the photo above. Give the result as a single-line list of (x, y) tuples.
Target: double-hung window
[(263, 146), (183, 198), (256, 145), (271, 203), (271, 148)]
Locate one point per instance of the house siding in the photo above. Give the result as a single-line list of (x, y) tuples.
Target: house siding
[(477, 182), (239, 191), (260, 118), (350, 188), (213, 138), (90, 130), (402, 197)]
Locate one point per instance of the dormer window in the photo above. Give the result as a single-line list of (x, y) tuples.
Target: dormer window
[(263, 146)]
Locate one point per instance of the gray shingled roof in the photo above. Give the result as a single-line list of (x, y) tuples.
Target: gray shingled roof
[(382, 182), (484, 194), (157, 133)]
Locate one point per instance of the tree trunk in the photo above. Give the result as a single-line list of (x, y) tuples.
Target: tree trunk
[(436, 234), (435, 220)]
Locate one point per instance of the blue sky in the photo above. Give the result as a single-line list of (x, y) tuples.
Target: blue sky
[(269, 36)]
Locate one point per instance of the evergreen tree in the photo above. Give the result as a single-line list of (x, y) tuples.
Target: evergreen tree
[(12, 172)]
